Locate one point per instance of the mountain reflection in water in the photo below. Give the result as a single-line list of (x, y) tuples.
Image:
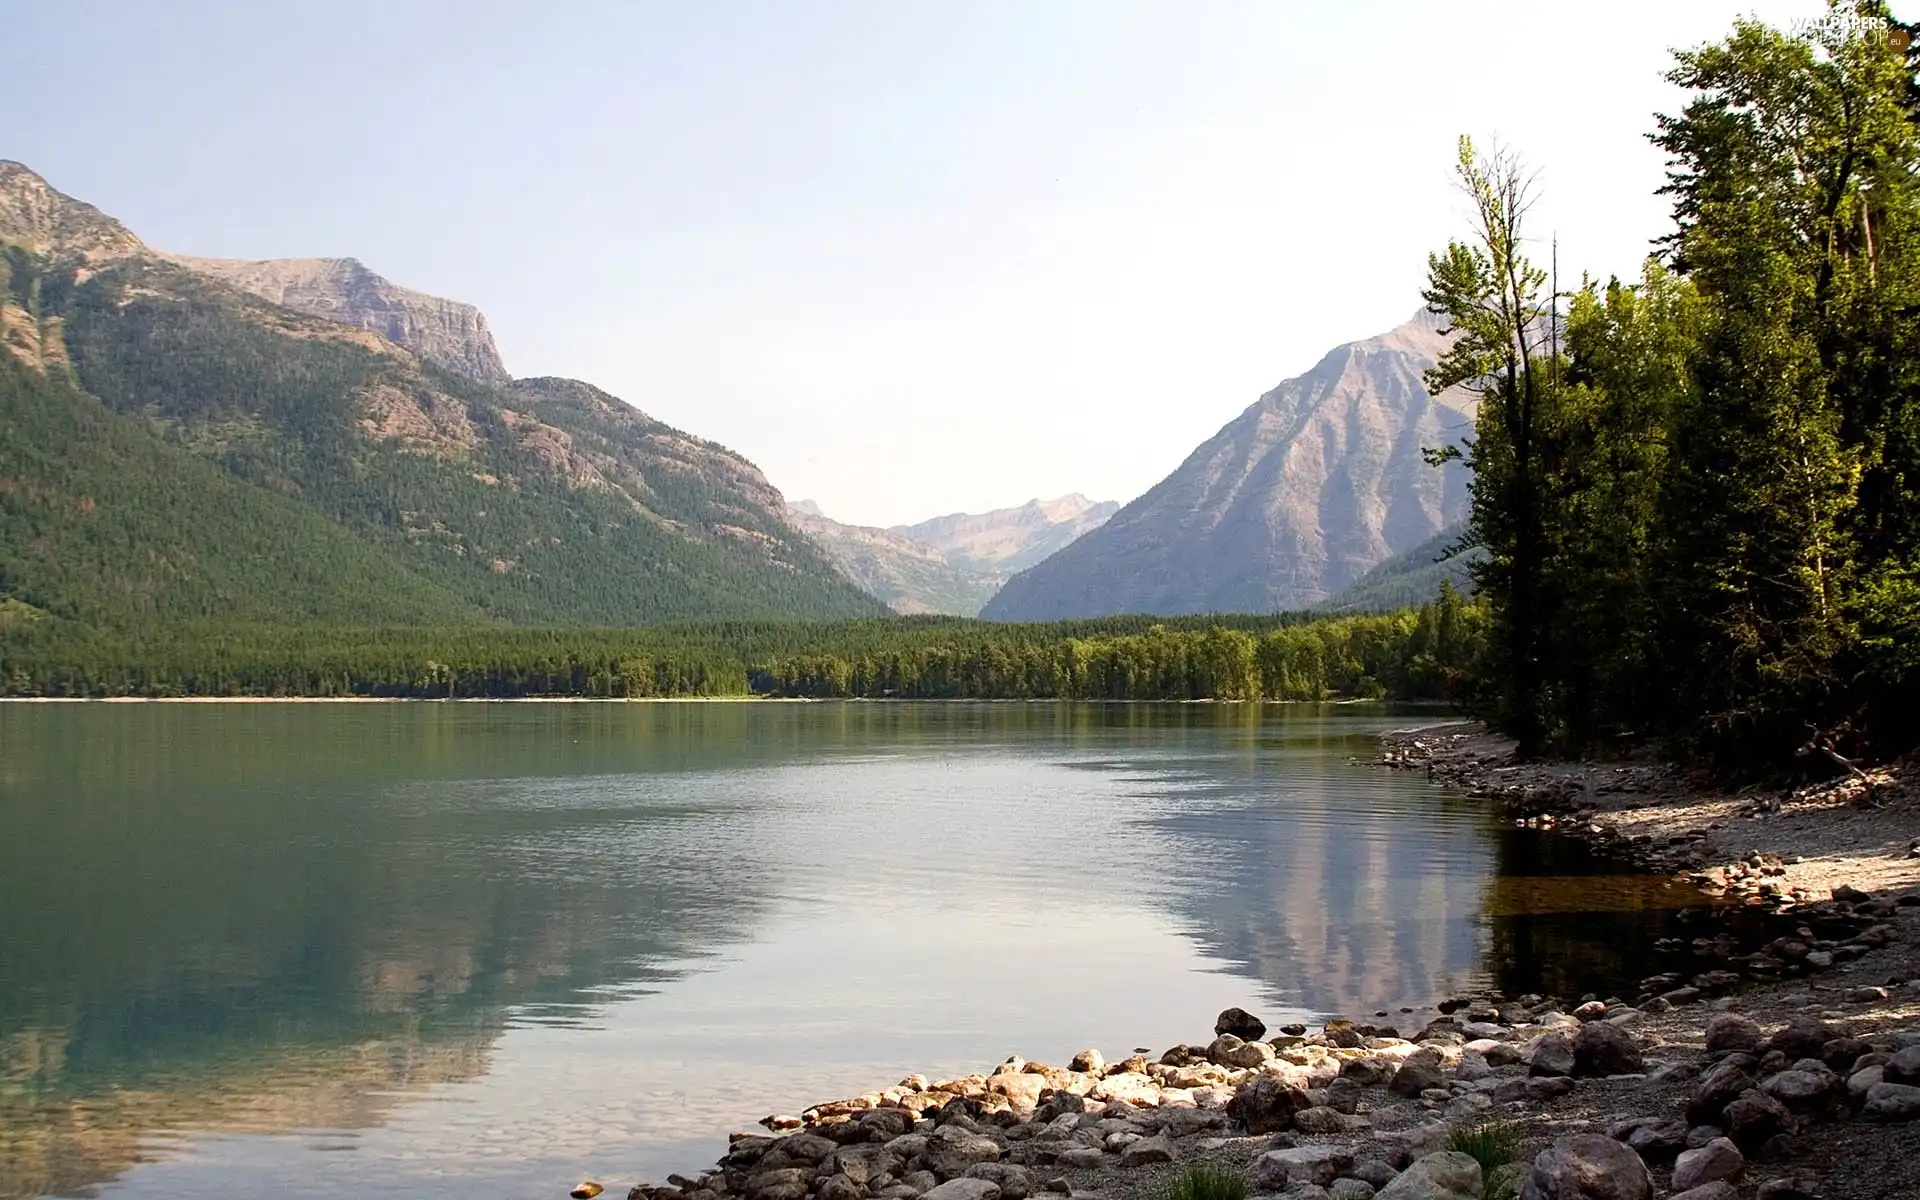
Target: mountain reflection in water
[(316, 948)]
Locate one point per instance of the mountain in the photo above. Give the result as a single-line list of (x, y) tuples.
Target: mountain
[(1410, 578), (446, 333), (103, 524), (1298, 496), (1011, 539), (538, 501), (951, 564)]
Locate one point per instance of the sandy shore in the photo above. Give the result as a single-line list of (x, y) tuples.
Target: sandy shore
[(1855, 831)]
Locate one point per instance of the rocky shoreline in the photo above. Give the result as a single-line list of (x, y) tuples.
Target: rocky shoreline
[(1788, 1071)]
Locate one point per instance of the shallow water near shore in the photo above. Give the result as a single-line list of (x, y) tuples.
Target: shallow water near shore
[(314, 950)]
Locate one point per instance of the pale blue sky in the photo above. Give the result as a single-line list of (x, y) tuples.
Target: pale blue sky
[(910, 257)]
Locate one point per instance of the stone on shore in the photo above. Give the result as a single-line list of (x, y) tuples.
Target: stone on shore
[(1903, 1067), (1587, 1166), (1754, 1118), (1267, 1104), (1731, 1031), (952, 1149), (1013, 1181), (1892, 1102), (1279, 1170), (1133, 1088), (1087, 1061), (1022, 1091), (840, 1187), (1717, 1160), (1863, 1081), (1652, 1138), (1552, 1055), (1720, 1087), (1230, 1051), (964, 1189), (1423, 1069), (1156, 1149), (781, 1183), (1326, 1120), (1806, 1092), (1447, 1175), (1602, 1048), (1802, 1038), (1719, 1189), (1404, 1146)]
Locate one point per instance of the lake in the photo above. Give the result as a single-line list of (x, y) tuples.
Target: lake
[(314, 949)]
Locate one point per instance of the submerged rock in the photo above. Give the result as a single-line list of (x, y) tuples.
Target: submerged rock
[(1241, 1024)]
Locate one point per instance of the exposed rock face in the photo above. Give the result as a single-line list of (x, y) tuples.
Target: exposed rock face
[(446, 333), (952, 564), (1318, 481), (43, 220)]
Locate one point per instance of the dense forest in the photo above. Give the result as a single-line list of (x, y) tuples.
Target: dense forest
[(1697, 494), (1420, 654)]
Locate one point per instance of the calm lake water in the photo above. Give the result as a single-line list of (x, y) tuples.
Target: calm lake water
[(311, 950)]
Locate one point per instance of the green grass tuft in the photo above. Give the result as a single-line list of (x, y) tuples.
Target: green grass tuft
[(1495, 1145), (1202, 1182)]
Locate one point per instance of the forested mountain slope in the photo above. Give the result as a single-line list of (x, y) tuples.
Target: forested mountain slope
[(103, 524), (1411, 577), (532, 501), (1315, 483)]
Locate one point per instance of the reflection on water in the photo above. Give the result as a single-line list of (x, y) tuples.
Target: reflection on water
[(321, 948)]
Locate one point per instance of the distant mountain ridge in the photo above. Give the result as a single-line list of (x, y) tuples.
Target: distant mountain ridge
[(1312, 485), (954, 563), (1011, 539), (541, 501)]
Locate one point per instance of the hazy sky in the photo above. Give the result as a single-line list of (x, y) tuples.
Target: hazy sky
[(910, 257)]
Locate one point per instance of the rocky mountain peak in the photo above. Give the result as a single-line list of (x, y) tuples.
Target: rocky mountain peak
[(1314, 483), (452, 335), (46, 221), (950, 564), (445, 332)]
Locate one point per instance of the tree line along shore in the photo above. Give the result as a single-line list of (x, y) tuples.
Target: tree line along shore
[(1419, 654)]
